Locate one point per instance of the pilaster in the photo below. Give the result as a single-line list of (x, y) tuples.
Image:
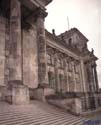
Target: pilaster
[(42, 59), (75, 84), (96, 78), (83, 76), (19, 93), (66, 87), (15, 60), (56, 72)]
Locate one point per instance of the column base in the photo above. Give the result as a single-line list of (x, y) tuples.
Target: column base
[(17, 93), (2, 93), (41, 93), (77, 107)]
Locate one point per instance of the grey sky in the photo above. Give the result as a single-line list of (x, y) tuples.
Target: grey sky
[(84, 15)]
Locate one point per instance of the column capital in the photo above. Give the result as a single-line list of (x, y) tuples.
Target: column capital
[(69, 59), (40, 13)]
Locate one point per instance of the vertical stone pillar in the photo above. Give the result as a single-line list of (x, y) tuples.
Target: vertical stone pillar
[(56, 73), (91, 75), (42, 59), (96, 78), (15, 61), (19, 93), (84, 83), (66, 87), (83, 76), (92, 83), (80, 76), (68, 59), (75, 89)]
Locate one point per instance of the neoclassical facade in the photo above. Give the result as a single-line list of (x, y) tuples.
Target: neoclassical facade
[(36, 64)]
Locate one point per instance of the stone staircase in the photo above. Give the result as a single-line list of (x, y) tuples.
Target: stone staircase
[(36, 113)]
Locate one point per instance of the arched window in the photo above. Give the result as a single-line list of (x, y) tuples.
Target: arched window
[(70, 41), (60, 63), (51, 79), (69, 67), (50, 59), (61, 81)]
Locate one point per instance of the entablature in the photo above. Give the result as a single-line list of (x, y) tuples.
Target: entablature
[(62, 54), (30, 9), (62, 49)]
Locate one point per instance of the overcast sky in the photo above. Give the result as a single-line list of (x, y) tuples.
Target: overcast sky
[(84, 15)]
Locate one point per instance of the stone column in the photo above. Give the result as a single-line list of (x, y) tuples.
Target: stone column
[(56, 73), (42, 59), (75, 84), (66, 87), (83, 76), (80, 77), (15, 61), (95, 84), (96, 78), (84, 83), (68, 59), (18, 92), (92, 83), (91, 77)]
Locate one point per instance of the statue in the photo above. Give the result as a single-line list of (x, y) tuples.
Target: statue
[(92, 51)]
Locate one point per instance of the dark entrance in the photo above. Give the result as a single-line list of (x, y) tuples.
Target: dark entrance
[(91, 102)]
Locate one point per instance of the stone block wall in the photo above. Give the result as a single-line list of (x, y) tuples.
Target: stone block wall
[(30, 58), (72, 105), (2, 48)]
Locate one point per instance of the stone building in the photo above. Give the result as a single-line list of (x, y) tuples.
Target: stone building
[(35, 64)]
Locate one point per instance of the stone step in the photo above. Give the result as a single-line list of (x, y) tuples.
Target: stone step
[(15, 117), (61, 121), (36, 113)]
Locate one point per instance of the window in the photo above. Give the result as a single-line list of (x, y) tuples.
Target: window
[(77, 80), (51, 79), (76, 69), (70, 41), (69, 67), (60, 63), (61, 81), (70, 79), (50, 59)]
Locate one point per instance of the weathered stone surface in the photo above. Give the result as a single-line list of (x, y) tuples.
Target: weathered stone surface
[(36, 113), (77, 107), (30, 58), (42, 60), (24, 45), (20, 94), (2, 48), (41, 93), (15, 61), (73, 105)]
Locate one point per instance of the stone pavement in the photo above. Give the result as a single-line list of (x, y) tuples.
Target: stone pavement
[(36, 113)]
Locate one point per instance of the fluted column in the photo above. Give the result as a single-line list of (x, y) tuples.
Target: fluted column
[(19, 94), (83, 76), (96, 78), (42, 60), (66, 87), (56, 73), (75, 84), (15, 61), (91, 77)]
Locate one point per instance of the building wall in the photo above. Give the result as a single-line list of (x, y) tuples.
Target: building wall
[(30, 56), (2, 48), (72, 80)]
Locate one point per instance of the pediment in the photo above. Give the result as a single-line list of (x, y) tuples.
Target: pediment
[(81, 36)]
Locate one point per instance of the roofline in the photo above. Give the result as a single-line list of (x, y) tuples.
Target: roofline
[(48, 1), (74, 30)]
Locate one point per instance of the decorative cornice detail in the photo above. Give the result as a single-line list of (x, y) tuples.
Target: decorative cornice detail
[(40, 13)]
